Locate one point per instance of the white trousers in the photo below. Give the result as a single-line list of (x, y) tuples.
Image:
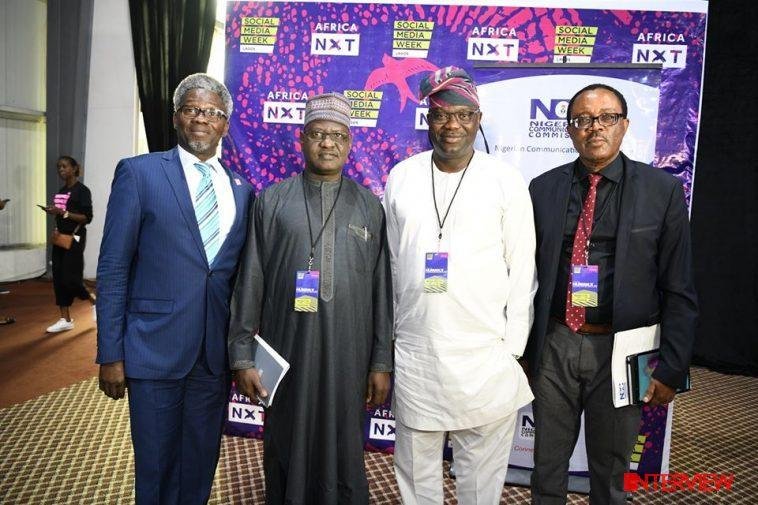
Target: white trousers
[(481, 461)]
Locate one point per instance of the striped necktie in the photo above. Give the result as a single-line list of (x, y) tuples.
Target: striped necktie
[(206, 212)]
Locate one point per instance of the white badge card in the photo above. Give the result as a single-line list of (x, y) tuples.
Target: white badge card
[(435, 273), (306, 291)]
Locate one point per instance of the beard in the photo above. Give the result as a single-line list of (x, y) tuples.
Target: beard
[(199, 146)]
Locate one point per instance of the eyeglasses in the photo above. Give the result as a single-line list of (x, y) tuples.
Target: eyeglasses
[(440, 117), (605, 119), (319, 136), (211, 115)]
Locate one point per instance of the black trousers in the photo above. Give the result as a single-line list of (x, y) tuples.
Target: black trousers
[(68, 272), (575, 377)]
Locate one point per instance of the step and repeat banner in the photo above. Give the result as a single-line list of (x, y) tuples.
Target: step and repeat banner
[(524, 61)]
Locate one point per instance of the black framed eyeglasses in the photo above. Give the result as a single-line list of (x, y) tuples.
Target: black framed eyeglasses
[(211, 115), (440, 117), (605, 119), (320, 135)]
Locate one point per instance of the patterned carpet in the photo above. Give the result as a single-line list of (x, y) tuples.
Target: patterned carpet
[(72, 446)]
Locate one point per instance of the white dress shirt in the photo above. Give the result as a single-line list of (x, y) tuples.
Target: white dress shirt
[(455, 352), (227, 208)]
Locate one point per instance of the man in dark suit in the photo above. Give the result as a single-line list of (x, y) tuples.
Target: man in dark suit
[(620, 227), (174, 229)]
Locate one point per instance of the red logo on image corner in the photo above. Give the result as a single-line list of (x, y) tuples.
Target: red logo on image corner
[(675, 482)]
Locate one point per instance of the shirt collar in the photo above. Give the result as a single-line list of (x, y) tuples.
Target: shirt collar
[(613, 172), (318, 182), (188, 161)]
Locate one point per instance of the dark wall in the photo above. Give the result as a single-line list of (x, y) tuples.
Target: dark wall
[(725, 199)]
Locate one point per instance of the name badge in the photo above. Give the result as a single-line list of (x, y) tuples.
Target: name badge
[(584, 279), (435, 273), (306, 291)]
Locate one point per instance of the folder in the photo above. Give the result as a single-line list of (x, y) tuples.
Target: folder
[(271, 368)]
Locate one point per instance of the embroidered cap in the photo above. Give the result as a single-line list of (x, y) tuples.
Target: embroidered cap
[(328, 107)]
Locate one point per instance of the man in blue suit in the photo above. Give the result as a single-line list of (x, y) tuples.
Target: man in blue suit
[(620, 227), (174, 229)]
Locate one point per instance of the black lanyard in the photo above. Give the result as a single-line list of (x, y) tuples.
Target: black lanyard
[(441, 222), (323, 226)]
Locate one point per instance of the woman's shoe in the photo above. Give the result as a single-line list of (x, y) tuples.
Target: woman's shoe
[(61, 325)]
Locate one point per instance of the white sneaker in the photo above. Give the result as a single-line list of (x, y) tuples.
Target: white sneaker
[(94, 313), (61, 325)]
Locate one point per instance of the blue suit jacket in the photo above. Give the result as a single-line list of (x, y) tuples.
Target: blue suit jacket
[(652, 280), (158, 299)]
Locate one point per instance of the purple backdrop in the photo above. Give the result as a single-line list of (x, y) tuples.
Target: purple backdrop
[(279, 53)]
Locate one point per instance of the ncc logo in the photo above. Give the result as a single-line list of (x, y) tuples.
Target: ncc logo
[(552, 110), (526, 430), (668, 55)]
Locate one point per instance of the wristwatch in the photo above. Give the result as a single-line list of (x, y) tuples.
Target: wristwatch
[(65, 215)]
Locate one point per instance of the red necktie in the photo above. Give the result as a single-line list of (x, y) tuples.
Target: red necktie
[(576, 316)]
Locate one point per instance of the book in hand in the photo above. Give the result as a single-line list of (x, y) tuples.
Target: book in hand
[(639, 369), (271, 368)]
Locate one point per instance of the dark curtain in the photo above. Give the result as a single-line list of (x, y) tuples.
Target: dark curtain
[(172, 39), (725, 202), (69, 44)]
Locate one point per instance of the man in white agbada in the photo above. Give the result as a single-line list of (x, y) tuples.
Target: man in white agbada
[(461, 237)]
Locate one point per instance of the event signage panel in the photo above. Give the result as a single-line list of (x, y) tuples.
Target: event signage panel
[(280, 53)]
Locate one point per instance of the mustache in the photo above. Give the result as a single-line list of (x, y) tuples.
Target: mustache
[(597, 136)]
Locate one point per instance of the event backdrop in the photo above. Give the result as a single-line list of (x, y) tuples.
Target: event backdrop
[(527, 61)]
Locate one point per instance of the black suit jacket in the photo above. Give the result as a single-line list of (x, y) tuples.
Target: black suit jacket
[(653, 265)]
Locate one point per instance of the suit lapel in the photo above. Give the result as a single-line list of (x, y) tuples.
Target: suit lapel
[(172, 167), (626, 220), (239, 204), (558, 223)]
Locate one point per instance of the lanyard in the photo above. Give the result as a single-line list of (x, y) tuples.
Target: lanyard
[(323, 226), (441, 222)]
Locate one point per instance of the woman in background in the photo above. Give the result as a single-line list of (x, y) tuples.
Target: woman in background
[(72, 208), (5, 319)]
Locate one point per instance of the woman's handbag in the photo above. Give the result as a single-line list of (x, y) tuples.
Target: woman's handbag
[(62, 240)]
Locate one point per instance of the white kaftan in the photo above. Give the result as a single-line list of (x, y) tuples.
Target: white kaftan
[(455, 352)]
